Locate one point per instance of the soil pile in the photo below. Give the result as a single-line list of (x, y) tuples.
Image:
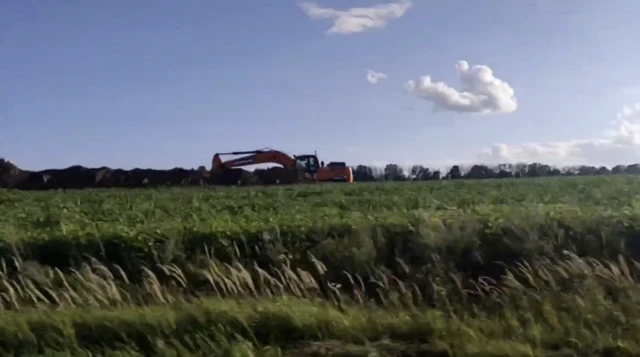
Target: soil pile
[(78, 177)]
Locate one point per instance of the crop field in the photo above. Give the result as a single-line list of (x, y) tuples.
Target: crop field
[(527, 267)]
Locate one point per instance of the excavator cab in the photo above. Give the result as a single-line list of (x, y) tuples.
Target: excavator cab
[(317, 169), (308, 162)]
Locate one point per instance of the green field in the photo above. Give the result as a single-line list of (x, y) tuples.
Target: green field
[(522, 267)]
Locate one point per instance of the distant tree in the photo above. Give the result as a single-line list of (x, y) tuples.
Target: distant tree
[(585, 170), (570, 170), (393, 172), (416, 171), (619, 169), (363, 173), (537, 170), (555, 172), (480, 172), (426, 175), (504, 174), (454, 173), (504, 167), (543, 170), (633, 169), (420, 173)]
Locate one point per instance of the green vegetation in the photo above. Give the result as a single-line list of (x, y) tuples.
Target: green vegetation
[(494, 267)]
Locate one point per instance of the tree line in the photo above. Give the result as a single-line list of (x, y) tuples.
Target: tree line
[(394, 172)]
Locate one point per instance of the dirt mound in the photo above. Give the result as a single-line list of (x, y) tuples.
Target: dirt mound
[(270, 176), (279, 175), (233, 177), (79, 177), (10, 174)]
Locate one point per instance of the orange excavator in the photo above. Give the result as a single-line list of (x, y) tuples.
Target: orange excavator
[(293, 169)]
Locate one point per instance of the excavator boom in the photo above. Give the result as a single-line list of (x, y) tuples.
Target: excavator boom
[(254, 157)]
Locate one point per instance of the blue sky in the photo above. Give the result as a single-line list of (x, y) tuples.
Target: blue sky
[(158, 84)]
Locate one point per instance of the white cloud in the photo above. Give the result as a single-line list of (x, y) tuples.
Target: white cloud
[(481, 93), (357, 19), (630, 112), (619, 145), (375, 77)]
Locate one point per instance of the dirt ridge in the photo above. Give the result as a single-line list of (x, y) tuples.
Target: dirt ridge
[(80, 177)]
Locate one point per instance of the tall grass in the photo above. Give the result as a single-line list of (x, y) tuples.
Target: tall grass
[(573, 304)]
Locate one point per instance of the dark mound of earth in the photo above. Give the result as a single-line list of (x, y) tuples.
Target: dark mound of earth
[(79, 177)]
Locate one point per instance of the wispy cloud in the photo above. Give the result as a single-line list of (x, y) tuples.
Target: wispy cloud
[(357, 19), (374, 77)]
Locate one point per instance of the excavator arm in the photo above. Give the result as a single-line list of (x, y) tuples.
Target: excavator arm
[(255, 157)]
